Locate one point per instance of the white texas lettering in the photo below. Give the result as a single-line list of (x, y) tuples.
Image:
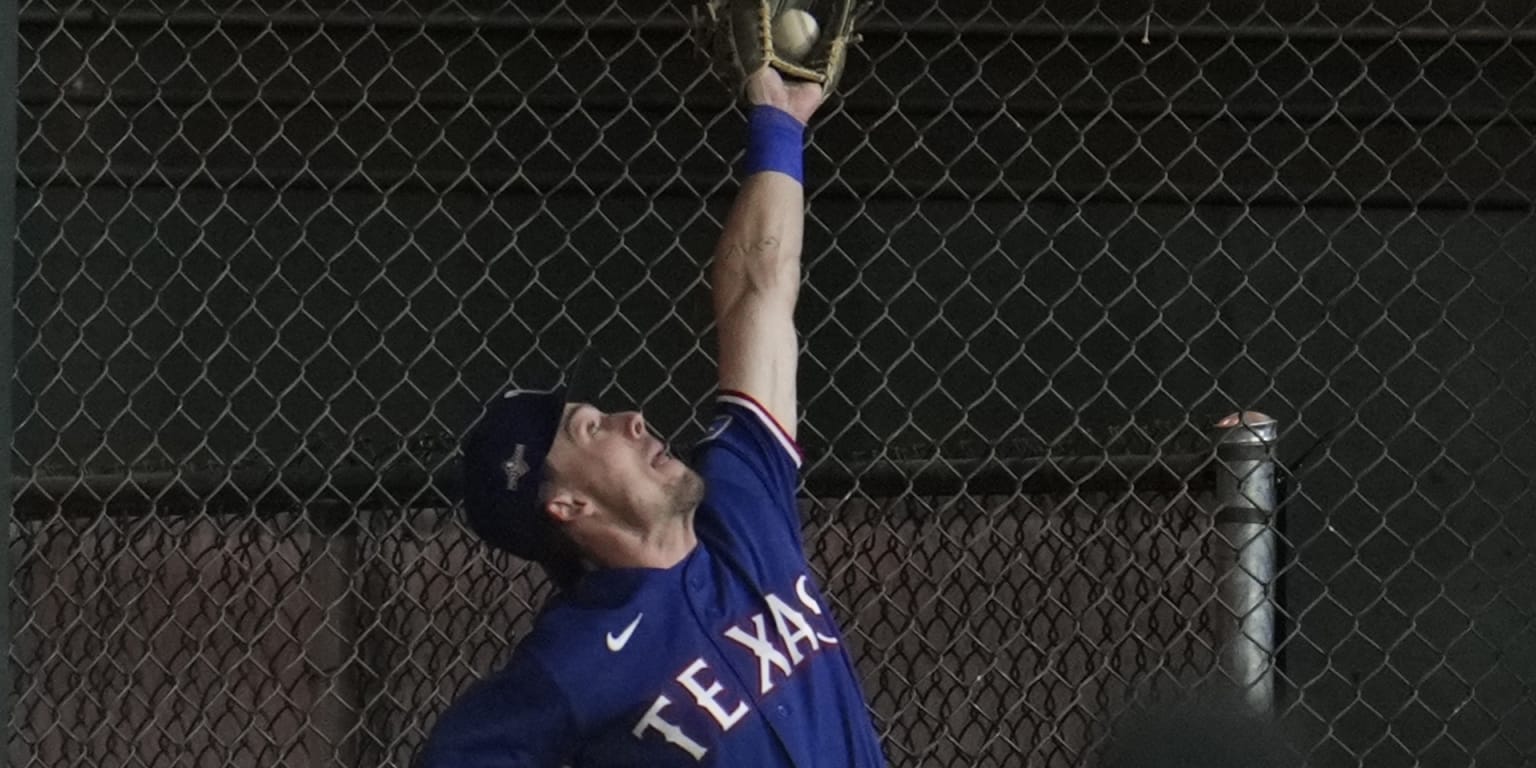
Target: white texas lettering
[(670, 731), (807, 601), (768, 657), (794, 630), (783, 616), (706, 697)]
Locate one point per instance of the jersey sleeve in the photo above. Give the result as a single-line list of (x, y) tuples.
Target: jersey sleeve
[(750, 467), (516, 718)]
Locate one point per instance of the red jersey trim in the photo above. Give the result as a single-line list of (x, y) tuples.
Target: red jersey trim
[(746, 401)]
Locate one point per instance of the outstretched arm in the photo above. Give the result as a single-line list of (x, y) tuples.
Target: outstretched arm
[(757, 261)]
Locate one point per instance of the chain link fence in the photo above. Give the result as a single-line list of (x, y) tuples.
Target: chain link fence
[(272, 258)]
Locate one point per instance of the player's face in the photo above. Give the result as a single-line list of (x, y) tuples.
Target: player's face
[(612, 459)]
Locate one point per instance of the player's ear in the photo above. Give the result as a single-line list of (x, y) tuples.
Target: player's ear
[(565, 506), (561, 501)]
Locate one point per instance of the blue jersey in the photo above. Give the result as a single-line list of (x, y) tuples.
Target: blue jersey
[(729, 658)]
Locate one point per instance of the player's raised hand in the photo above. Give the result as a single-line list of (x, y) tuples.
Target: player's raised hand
[(799, 98)]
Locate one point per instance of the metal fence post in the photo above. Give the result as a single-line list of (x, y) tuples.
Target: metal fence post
[(8, 43), (1245, 493), (330, 651)]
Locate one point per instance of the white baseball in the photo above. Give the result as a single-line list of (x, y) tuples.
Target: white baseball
[(795, 33)]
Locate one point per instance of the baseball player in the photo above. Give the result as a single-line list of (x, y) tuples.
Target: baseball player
[(689, 629)]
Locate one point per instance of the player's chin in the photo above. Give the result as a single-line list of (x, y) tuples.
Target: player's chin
[(688, 487), (672, 472)]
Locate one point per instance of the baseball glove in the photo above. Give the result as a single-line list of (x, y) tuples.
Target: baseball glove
[(803, 39)]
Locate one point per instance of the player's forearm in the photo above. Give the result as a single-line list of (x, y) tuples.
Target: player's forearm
[(758, 255)]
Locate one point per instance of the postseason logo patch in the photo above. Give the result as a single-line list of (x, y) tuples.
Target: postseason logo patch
[(717, 427)]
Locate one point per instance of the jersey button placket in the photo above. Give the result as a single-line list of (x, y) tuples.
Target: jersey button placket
[(702, 599), (701, 595)]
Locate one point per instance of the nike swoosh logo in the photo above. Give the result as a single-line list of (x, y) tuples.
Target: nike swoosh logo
[(617, 644)]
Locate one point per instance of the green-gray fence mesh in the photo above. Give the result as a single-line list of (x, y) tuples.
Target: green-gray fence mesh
[(272, 257)]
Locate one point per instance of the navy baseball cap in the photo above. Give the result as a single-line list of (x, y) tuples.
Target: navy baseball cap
[(504, 457)]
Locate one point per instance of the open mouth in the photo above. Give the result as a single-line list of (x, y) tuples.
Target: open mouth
[(660, 457)]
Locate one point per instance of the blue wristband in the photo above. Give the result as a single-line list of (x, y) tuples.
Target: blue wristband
[(774, 143)]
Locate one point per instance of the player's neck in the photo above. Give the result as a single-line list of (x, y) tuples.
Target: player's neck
[(661, 546), (670, 542)]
